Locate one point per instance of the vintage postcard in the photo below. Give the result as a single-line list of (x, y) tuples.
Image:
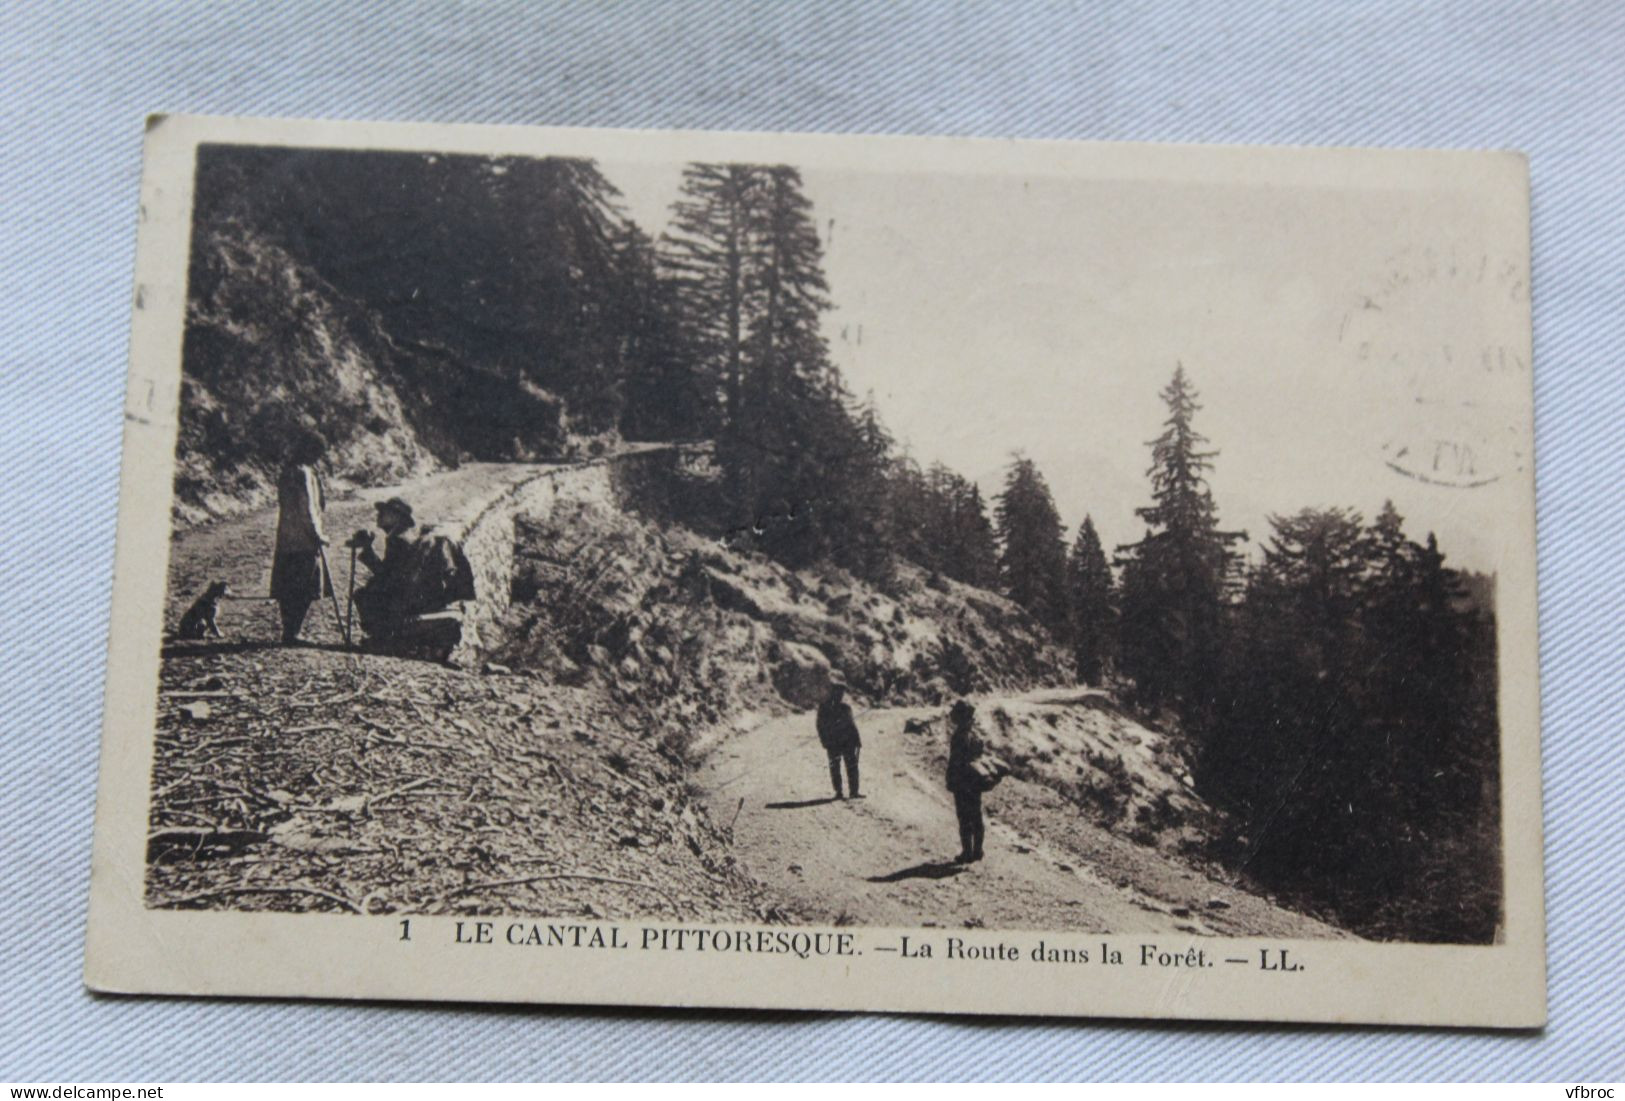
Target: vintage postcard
[(925, 575)]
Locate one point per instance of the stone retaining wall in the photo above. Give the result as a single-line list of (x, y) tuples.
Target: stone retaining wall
[(485, 527)]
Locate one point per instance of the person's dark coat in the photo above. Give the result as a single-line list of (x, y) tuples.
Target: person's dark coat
[(414, 577), (965, 748), (297, 576), (837, 730), (386, 600)]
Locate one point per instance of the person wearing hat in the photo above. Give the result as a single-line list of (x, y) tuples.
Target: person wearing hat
[(965, 748), (838, 734), (384, 601)]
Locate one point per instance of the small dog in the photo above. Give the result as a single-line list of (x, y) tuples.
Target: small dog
[(201, 619)]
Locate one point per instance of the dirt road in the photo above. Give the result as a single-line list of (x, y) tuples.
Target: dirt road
[(886, 859)]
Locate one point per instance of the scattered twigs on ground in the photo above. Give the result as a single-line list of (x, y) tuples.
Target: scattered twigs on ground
[(387, 734), (214, 797), (529, 880), (172, 811), (246, 812), (218, 743), (374, 800), (179, 782), (625, 778), (228, 892)]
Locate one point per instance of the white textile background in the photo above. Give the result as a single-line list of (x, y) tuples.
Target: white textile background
[(77, 79)]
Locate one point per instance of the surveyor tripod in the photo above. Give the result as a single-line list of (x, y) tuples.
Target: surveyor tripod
[(327, 577), (349, 598)]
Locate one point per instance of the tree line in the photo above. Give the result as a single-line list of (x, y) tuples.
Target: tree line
[(1336, 697), (525, 311)]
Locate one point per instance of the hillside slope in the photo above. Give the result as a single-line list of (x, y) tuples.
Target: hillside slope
[(275, 363), (695, 638), (309, 780), (280, 364)]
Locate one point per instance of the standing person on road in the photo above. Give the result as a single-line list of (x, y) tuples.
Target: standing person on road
[(965, 748), (297, 577), (838, 733)]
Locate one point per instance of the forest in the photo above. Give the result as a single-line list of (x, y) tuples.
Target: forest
[(1333, 690)]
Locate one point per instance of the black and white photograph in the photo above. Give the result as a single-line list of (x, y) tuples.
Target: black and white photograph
[(655, 550)]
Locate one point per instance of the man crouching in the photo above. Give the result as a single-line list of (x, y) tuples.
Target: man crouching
[(405, 607)]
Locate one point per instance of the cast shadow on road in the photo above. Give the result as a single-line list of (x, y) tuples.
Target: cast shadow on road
[(931, 869), (214, 649), (803, 803)]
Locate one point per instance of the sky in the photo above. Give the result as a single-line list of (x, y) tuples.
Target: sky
[(1351, 342)]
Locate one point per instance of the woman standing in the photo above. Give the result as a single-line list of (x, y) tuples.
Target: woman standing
[(297, 577), (965, 748)]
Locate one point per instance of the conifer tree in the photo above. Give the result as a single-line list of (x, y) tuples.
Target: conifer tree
[(1176, 579), (1089, 604), (786, 277), (938, 521), (803, 472), (1316, 559), (790, 416), (1288, 746), (910, 514), (562, 295), (973, 553), (1032, 552), (708, 253), (665, 397), (857, 528)]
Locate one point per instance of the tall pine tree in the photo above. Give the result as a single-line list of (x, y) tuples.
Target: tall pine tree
[(803, 472), (665, 395), (975, 549), (789, 421), (1032, 550), (1176, 579), (708, 253), (856, 531), (1091, 616), (969, 550)]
